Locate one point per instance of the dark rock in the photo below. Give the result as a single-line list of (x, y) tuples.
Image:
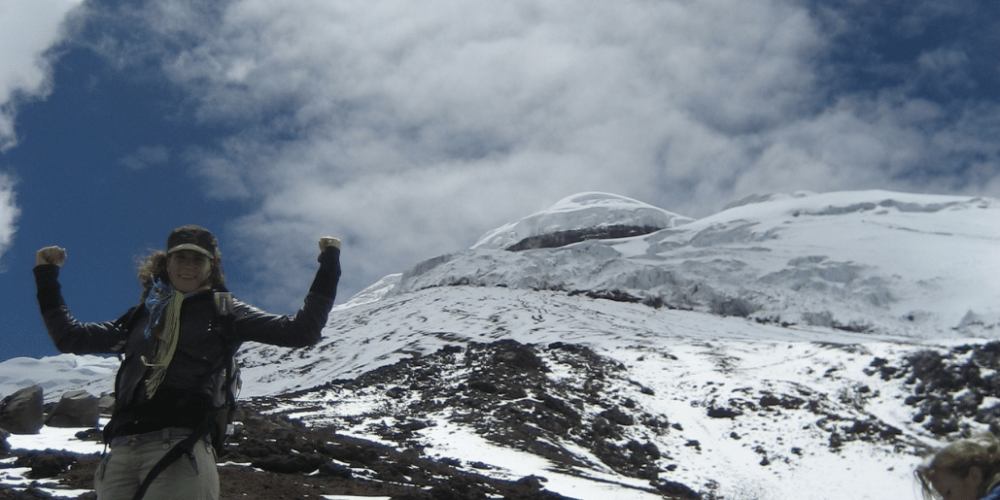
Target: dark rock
[(90, 435), (533, 483), (356, 454), (677, 490), (836, 441), (739, 307), (721, 412), (22, 412), (45, 464), (413, 425), (303, 464), (617, 416), (518, 356), (562, 407), (105, 404), (890, 432), (334, 470), (786, 402), (563, 238), (601, 427), (75, 409), (487, 387)]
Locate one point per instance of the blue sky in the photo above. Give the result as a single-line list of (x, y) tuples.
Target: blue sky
[(411, 129)]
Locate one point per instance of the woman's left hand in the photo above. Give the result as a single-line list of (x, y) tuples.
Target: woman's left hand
[(327, 242)]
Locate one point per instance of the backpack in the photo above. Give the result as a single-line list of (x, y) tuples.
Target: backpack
[(232, 383)]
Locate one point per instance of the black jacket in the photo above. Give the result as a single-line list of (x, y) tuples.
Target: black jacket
[(196, 373)]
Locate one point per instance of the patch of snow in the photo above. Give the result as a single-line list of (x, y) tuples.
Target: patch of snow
[(373, 293), (64, 436), (458, 442), (59, 374)]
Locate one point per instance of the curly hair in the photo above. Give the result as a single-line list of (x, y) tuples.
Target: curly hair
[(154, 267), (958, 458)]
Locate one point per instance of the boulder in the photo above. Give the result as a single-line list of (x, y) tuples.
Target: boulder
[(106, 404), (21, 412), (75, 409)]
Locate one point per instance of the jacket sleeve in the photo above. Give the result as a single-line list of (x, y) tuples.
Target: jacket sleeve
[(68, 334), (304, 328)]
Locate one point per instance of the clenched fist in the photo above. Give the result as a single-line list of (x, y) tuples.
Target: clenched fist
[(50, 255), (328, 241)]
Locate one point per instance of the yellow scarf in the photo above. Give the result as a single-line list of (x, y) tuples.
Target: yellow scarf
[(166, 344)]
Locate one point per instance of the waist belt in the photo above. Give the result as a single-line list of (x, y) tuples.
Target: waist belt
[(160, 435)]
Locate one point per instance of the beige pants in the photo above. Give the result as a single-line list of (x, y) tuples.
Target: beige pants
[(126, 465)]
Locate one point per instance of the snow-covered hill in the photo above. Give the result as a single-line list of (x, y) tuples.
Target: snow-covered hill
[(877, 261), (778, 348)]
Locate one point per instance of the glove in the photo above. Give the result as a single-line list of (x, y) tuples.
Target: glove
[(328, 274), (53, 255)]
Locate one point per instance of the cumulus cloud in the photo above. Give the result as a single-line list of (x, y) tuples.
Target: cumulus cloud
[(28, 28), (8, 214), (410, 129)]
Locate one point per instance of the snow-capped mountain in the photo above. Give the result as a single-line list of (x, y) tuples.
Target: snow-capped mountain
[(782, 347), (874, 261)]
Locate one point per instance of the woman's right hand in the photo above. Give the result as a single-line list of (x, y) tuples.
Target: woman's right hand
[(50, 255)]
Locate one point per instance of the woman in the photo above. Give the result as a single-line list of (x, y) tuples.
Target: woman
[(178, 343), (968, 469)]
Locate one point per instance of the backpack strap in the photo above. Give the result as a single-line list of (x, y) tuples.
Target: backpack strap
[(184, 447), (226, 316)]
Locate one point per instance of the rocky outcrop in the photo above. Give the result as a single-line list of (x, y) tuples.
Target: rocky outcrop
[(75, 409), (563, 238), (954, 390), (21, 412), (290, 460), (504, 391)]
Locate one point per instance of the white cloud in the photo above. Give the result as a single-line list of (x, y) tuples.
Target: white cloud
[(412, 128), (8, 214), (28, 28)]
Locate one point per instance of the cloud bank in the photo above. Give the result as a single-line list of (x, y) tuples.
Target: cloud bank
[(28, 28), (410, 129)]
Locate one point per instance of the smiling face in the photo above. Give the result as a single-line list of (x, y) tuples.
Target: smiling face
[(188, 270), (952, 487)]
